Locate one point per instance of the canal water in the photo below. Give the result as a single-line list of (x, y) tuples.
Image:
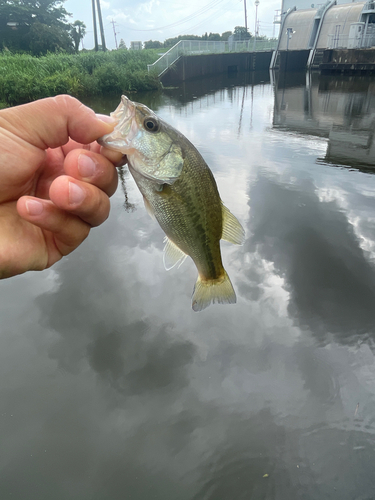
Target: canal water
[(111, 387)]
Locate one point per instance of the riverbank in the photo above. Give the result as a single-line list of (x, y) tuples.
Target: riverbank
[(24, 78)]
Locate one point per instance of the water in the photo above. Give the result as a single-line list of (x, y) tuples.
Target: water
[(111, 387)]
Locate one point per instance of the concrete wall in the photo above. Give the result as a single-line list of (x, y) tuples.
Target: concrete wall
[(338, 20), (188, 67), (293, 60), (350, 56), (336, 23), (306, 4), (301, 22)]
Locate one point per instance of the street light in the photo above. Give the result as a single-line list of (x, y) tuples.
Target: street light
[(244, 3), (256, 16), (289, 33)]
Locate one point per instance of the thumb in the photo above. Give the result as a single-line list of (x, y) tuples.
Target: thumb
[(48, 123)]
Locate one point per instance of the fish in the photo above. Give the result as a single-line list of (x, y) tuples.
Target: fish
[(180, 192)]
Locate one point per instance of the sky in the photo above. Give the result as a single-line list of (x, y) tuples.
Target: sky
[(137, 20)]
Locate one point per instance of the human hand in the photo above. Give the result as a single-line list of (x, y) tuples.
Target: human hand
[(54, 183)]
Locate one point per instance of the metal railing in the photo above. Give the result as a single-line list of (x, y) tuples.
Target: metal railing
[(194, 47), (347, 42)]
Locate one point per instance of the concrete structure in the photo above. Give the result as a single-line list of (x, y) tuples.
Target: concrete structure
[(190, 67), (337, 28), (305, 4), (312, 31)]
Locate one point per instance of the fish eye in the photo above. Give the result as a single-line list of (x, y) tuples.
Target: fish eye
[(151, 124)]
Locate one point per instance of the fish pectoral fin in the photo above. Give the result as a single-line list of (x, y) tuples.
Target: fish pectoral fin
[(207, 291), (149, 208), (232, 229), (172, 255)]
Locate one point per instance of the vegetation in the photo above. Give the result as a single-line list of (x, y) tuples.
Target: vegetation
[(240, 33), (24, 78), (30, 28), (38, 27)]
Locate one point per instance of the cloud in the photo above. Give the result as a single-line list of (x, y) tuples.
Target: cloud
[(147, 7), (120, 16)]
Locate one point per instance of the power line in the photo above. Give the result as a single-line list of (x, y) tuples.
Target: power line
[(201, 11), (213, 16)]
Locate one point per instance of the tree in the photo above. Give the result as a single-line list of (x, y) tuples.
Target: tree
[(27, 12), (226, 35), (77, 32), (122, 44), (213, 37), (42, 39), (35, 26), (241, 33), (153, 44)]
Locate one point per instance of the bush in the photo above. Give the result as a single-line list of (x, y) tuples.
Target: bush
[(24, 78)]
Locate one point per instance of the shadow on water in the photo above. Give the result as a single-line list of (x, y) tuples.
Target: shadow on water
[(196, 88)]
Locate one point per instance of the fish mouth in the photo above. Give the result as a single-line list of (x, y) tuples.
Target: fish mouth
[(125, 129)]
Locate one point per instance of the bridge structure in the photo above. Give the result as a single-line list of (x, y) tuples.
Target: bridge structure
[(199, 47)]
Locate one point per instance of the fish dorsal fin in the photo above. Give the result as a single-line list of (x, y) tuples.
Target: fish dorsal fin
[(232, 229), (172, 254)]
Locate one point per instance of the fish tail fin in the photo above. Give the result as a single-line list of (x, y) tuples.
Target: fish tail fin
[(219, 290)]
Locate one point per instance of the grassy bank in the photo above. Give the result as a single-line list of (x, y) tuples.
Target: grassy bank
[(24, 78)]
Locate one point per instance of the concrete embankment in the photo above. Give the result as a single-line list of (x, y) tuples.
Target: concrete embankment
[(352, 61), (193, 66)]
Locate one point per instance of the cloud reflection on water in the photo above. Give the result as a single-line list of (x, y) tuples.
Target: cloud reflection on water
[(314, 248), (110, 385)]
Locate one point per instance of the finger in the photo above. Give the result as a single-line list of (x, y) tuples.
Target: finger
[(92, 168), (79, 198), (114, 156), (67, 231), (48, 123), (69, 146)]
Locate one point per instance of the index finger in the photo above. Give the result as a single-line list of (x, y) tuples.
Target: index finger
[(48, 123)]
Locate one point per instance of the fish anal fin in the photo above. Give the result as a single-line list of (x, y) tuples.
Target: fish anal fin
[(232, 229), (211, 291), (172, 255)]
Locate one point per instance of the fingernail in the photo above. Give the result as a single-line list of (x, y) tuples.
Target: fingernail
[(86, 166), (76, 194), (34, 207), (105, 118)]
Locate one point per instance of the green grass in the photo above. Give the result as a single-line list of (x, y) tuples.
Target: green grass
[(24, 78)]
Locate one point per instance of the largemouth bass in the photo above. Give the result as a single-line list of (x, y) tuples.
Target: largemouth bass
[(180, 192)]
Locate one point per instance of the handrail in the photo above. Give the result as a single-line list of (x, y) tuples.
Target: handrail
[(323, 15), (274, 55), (194, 47)]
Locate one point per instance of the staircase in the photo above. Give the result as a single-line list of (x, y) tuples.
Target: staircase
[(317, 59)]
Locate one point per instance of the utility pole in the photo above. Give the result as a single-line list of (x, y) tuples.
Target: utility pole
[(94, 23), (101, 25), (114, 32)]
